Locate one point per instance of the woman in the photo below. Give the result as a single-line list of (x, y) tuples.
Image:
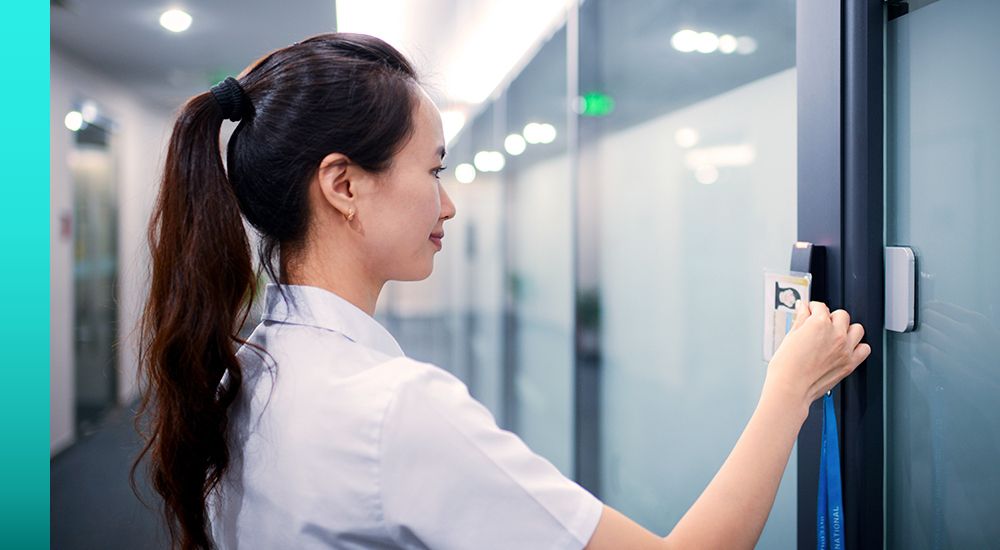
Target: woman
[(317, 432)]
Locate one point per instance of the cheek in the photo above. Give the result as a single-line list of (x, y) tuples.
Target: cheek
[(412, 216), (423, 205)]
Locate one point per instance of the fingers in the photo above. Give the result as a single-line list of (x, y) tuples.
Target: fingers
[(861, 353), (834, 377), (841, 320), (801, 314), (854, 335), (819, 309)]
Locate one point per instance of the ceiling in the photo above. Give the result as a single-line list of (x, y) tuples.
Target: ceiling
[(452, 43), (624, 44), (124, 40)]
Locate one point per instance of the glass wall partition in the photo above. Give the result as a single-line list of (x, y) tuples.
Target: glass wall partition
[(479, 274), (540, 250), (687, 165)]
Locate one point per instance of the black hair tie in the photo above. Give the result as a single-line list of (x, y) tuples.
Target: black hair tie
[(232, 100)]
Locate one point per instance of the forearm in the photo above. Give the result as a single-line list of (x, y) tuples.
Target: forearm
[(732, 510)]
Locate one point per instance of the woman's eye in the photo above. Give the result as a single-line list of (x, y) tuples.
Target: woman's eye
[(437, 171)]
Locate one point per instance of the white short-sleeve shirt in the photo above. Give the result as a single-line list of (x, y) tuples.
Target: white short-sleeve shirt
[(338, 440)]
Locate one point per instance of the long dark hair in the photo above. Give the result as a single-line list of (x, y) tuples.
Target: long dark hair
[(346, 93)]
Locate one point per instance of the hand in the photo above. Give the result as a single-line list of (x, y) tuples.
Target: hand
[(821, 349)]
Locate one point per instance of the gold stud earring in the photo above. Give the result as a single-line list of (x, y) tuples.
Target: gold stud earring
[(350, 215)]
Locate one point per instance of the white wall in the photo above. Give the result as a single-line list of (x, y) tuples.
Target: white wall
[(142, 131)]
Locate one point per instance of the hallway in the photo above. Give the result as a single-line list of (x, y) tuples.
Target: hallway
[(91, 495)]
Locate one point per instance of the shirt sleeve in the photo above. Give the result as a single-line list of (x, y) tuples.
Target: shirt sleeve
[(450, 478)]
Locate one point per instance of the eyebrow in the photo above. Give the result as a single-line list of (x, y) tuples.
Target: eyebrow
[(441, 152)]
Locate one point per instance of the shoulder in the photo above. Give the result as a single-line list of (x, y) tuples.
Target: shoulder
[(449, 477), (425, 397), (411, 377)]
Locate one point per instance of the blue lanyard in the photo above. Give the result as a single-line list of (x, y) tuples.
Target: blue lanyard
[(830, 508)]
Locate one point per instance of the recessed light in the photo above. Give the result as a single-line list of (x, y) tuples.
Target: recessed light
[(465, 173), (73, 120), (727, 44), (514, 144), (686, 137), (89, 111), (746, 45), (175, 20)]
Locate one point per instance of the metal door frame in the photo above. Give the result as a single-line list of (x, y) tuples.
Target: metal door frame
[(840, 61)]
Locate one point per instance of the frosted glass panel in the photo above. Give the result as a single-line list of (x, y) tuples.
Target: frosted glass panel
[(682, 267), (542, 268), (943, 192)]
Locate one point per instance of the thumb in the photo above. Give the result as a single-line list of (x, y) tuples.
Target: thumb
[(801, 313)]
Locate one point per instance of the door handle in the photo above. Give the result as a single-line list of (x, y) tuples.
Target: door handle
[(900, 289)]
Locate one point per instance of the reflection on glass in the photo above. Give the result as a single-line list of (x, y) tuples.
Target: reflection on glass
[(943, 380)]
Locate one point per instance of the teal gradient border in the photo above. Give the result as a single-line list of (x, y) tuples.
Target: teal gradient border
[(24, 242)]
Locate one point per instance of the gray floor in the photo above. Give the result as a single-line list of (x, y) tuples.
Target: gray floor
[(92, 504)]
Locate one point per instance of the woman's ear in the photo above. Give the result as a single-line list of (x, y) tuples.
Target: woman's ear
[(335, 183)]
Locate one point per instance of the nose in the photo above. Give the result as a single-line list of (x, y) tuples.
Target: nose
[(447, 207)]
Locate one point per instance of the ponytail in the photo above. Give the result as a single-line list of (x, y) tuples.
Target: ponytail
[(200, 295)]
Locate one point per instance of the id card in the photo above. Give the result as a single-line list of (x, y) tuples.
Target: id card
[(781, 290)]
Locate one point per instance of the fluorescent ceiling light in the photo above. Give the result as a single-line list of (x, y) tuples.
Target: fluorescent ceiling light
[(473, 53), (491, 47)]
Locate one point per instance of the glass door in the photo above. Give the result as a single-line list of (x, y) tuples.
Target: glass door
[(942, 380), (95, 267)]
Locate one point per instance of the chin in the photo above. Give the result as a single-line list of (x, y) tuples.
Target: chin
[(417, 274)]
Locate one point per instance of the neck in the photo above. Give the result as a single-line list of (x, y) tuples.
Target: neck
[(341, 274)]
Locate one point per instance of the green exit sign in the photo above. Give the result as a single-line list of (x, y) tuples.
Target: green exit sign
[(596, 104)]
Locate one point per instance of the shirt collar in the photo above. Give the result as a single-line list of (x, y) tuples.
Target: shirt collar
[(318, 307)]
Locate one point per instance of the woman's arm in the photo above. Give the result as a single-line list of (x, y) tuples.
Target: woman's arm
[(821, 350)]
